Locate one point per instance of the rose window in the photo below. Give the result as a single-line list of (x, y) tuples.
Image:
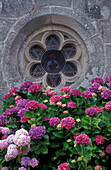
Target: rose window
[(53, 59)]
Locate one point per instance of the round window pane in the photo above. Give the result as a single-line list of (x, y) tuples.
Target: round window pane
[(36, 52), (36, 71), (53, 80), (69, 51), (52, 42), (53, 61), (70, 69)]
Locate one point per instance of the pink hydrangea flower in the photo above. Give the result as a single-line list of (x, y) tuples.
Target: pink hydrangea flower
[(75, 136), (4, 168), (54, 121), (63, 166), (35, 88), (68, 122), (98, 167), (6, 96), (99, 139), (71, 105), (91, 111), (4, 137), (22, 168), (98, 109), (65, 89), (43, 106), (75, 92), (13, 90), (108, 106), (24, 119), (5, 130), (46, 118), (87, 94), (108, 79), (82, 139), (12, 151), (32, 105), (21, 138), (3, 144), (108, 149), (34, 162), (55, 98)]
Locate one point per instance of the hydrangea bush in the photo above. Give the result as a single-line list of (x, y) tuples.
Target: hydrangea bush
[(40, 129)]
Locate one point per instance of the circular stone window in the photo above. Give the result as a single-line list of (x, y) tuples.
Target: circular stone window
[(54, 58)]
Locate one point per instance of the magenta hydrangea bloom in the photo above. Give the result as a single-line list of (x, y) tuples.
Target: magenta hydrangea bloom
[(97, 80), (2, 121), (75, 92), (6, 96), (63, 166), (37, 132), (91, 111), (68, 122), (108, 79), (71, 105), (99, 139), (82, 139), (35, 88), (87, 94), (108, 149), (26, 85), (94, 87), (34, 162), (106, 94), (43, 106), (32, 105), (13, 90), (25, 161), (54, 121), (55, 98), (65, 89), (108, 106)]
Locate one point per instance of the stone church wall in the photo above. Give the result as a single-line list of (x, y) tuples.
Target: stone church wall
[(90, 19)]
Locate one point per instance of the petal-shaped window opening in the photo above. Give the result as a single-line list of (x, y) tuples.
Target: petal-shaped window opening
[(36, 52), (36, 71), (70, 69), (53, 80), (69, 51), (52, 42)]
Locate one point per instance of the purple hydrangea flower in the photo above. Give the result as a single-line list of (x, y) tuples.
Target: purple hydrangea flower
[(7, 158), (2, 122), (22, 168), (34, 162), (22, 111), (106, 94), (4, 168), (91, 111), (94, 87), (26, 85), (25, 161), (97, 80), (37, 132), (22, 103), (7, 112)]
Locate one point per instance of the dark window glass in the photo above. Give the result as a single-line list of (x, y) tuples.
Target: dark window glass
[(70, 69), (53, 80), (52, 42), (69, 51), (36, 52), (53, 61), (36, 71)]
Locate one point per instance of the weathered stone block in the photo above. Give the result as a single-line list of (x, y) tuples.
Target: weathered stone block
[(16, 8), (105, 31), (41, 3), (5, 26), (108, 61)]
